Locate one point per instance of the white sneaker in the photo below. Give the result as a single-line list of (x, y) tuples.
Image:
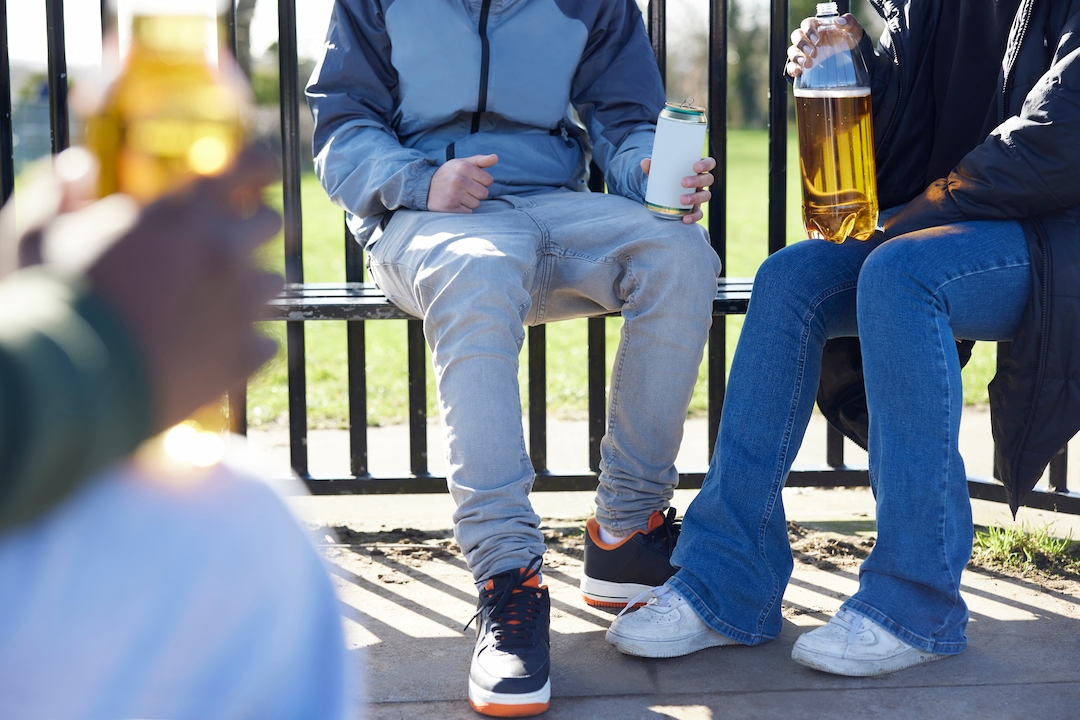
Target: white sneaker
[(666, 626), (853, 645)]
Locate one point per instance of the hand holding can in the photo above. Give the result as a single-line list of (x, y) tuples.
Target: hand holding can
[(680, 139)]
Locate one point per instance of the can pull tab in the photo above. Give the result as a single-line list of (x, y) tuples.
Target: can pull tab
[(687, 102)]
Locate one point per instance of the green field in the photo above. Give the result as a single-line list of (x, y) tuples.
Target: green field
[(386, 361)]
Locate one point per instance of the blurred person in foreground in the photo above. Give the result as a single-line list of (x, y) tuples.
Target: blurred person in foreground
[(977, 130), (125, 592)]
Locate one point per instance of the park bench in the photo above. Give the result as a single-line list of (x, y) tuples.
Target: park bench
[(356, 302)]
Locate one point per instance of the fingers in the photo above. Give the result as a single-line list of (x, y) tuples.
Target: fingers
[(803, 47), (704, 179), (240, 236), (646, 165), (850, 23), (800, 53), (76, 171), (695, 199), (475, 174), (809, 28), (264, 286), (255, 167), (466, 192), (482, 161), (459, 185)]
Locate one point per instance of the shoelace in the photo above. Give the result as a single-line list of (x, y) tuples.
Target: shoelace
[(671, 528), (515, 610), (855, 625), (653, 596)]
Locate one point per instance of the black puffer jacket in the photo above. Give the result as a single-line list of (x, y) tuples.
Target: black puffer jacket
[(1027, 169)]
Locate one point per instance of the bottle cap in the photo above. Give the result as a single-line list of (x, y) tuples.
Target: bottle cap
[(827, 8)]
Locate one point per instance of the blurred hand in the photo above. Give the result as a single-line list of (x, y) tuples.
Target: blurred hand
[(460, 184), (702, 180), (180, 272), (804, 42), (51, 187)]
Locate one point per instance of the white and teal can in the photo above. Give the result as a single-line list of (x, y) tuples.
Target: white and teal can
[(679, 143)]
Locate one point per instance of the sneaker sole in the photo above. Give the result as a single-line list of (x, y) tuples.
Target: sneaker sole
[(496, 704), (667, 648), (602, 593), (861, 668)]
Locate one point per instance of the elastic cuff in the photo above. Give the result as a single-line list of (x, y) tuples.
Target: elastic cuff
[(418, 182)]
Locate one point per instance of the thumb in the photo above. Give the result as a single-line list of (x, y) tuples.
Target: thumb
[(483, 161)]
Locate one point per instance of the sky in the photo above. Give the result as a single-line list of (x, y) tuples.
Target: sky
[(82, 22), (27, 41)]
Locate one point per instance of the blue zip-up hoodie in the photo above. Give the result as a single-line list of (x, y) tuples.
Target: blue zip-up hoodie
[(405, 85)]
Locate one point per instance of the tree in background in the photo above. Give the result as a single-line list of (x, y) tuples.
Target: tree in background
[(748, 52), (245, 11)]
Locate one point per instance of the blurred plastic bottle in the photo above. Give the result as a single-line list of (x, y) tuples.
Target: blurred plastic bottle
[(836, 137), (174, 112)]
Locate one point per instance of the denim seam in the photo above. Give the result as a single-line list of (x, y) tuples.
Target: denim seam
[(937, 295), (616, 374), (777, 483), (983, 271), (942, 529), (543, 276), (894, 628)]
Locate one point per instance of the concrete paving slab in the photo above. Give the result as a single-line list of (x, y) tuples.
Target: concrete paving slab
[(406, 597), (405, 603)]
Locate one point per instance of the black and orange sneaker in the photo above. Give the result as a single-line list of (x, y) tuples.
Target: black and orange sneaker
[(616, 574), (510, 663)]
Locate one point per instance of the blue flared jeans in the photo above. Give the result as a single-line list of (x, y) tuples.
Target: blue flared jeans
[(906, 299)]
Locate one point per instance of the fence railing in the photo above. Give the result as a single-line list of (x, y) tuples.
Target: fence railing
[(366, 305)]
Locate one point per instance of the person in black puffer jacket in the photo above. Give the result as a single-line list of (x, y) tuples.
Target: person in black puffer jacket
[(977, 130)]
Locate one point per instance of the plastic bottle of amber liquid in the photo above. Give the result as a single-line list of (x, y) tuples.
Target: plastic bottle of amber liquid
[(173, 113), (836, 137)]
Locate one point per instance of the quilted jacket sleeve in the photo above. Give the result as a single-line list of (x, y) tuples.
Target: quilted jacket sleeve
[(1025, 168)]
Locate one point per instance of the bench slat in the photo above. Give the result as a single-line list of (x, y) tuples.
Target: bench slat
[(365, 301)]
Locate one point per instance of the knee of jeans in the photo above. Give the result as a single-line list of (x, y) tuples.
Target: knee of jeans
[(688, 264), (893, 270), (475, 278), (787, 275)]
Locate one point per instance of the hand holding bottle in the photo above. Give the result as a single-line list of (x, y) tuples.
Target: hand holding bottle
[(805, 39)]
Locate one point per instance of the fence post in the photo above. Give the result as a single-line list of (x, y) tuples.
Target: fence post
[(58, 75), (7, 145), (289, 70), (718, 52)]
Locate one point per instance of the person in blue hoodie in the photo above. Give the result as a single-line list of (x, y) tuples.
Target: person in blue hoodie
[(457, 136)]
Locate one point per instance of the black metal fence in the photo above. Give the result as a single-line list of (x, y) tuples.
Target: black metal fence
[(356, 302)]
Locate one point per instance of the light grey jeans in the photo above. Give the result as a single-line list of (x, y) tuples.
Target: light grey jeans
[(477, 279)]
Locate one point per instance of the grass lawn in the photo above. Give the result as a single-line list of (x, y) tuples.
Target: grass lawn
[(324, 240)]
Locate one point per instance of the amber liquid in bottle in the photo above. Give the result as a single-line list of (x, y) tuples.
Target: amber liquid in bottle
[(836, 148), (167, 119)]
